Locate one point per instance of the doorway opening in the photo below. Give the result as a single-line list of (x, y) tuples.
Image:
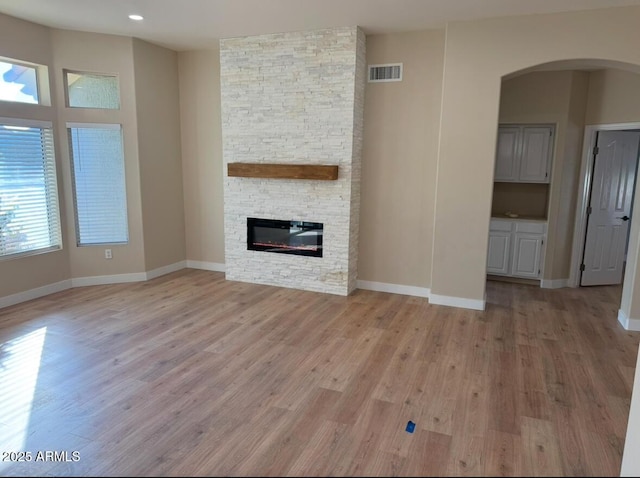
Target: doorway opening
[(609, 206), (605, 204)]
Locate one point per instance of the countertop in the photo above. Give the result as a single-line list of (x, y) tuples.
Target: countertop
[(520, 218)]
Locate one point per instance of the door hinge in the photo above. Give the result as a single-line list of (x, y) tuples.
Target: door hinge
[(581, 267), (588, 209), (596, 150)]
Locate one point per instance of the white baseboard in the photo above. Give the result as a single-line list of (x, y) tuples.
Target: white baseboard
[(131, 277), (207, 266), (554, 283), (627, 323), (457, 302), (213, 266), (393, 288), (160, 271), (35, 293), (111, 279), (89, 281)]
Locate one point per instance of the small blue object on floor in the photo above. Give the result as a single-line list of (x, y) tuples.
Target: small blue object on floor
[(410, 426)]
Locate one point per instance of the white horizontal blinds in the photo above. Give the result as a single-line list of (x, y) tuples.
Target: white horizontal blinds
[(29, 214), (99, 183)]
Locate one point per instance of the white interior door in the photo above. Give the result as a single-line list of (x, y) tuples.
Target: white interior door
[(610, 207)]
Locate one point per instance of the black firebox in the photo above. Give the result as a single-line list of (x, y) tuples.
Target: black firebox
[(286, 237)]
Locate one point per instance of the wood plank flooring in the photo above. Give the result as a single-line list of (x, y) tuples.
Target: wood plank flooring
[(192, 375)]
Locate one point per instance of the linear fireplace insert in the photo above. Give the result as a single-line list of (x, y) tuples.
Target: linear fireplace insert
[(286, 237)]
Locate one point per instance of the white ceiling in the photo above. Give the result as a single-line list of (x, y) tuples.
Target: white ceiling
[(196, 24)]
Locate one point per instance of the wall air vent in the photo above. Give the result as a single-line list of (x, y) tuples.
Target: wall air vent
[(388, 72)]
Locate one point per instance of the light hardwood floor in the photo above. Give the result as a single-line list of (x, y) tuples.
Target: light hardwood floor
[(189, 374)]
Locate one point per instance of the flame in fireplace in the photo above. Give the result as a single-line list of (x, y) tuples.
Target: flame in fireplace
[(287, 246)]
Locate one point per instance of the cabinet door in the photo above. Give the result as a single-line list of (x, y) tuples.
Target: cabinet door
[(536, 154), (499, 252), (526, 255), (506, 168)]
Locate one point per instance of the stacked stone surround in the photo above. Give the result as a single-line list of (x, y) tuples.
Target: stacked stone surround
[(294, 98)]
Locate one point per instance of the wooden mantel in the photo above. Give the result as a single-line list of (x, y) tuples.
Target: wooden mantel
[(283, 171)]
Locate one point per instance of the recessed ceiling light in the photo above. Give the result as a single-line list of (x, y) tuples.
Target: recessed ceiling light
[(136, 17)]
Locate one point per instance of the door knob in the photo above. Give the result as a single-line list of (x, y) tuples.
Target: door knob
[(624, 218)]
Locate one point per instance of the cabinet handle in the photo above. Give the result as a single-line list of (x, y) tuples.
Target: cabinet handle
[(624, 218)]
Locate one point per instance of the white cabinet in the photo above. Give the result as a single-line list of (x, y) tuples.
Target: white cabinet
[(523, 153), (499, 253), (516, 248), (527, 249), (498, 256), (506, 153)]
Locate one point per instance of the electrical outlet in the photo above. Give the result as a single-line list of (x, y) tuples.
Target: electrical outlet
[(107, 254)]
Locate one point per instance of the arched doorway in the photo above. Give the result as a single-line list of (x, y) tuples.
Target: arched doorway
[(570, 95)]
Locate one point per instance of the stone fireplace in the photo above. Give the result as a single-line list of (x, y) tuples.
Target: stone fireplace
[(297, 99)]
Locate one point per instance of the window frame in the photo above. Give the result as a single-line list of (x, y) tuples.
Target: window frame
[(65, 82), (42, 82)]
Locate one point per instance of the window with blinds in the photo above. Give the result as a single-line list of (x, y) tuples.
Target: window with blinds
[(29, 214), (99, 186)]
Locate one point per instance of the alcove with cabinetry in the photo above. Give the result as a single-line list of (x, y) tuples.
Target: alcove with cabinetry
[(518, 227)]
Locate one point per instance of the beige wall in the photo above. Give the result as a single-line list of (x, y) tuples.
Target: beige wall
[(159, 152), (524, 199), (401, 124), (536, 97), (29, 42), (202, 154), (614, 97), (568, 193), (90, 52), (478, 54)]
